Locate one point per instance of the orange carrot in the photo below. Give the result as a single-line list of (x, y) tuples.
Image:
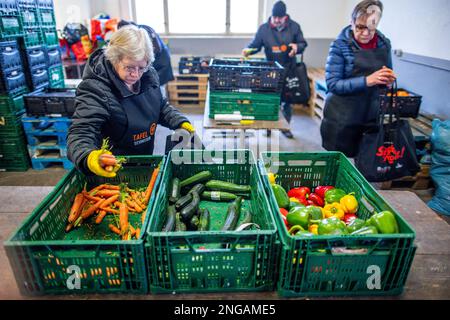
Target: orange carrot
[(107, 193), (107, 160), (76, 207), (90, 211), (138, 232), (114, 229), (101, 216), (123, 218), (134, 207), (109, 201), (150, 186), (90, 197), (111, 187), (132, 230), (135, 197), (111, 210)]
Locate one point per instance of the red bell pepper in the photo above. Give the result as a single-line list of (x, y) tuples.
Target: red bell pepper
[(285, 221), (299, 192), (320, 190), (349, 217), (283, 212), (310, 203), (318, 201), (302, 200)]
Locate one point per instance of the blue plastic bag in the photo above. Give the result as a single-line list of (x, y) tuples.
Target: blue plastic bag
[(440, 166)]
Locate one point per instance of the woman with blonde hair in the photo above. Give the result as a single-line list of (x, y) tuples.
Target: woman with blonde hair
[(119, 99)]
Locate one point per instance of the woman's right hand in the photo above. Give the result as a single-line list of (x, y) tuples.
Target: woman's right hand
[(384, 76)]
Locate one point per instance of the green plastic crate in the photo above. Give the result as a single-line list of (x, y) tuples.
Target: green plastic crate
[(13, 146), (10, 125), (50, 36), (262, 106), (10, 26), (46, 18), (55, 75), (29, 18), (32, 37), (60, 84), (194, 261), (11, 105), (312, 266), (41, 252)]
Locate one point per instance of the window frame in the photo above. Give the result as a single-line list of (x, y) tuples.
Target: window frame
[(261, 9)]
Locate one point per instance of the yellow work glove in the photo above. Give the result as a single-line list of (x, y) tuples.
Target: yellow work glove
[(93, 163), (187, 126)]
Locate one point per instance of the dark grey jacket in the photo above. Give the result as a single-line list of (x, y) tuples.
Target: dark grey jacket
[(100, 102), (269, 38)]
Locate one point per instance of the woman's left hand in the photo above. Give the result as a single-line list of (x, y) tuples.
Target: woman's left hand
[(187, 126)]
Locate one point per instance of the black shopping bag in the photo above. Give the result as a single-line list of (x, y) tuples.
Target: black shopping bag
[(296, 85), (387, 151)]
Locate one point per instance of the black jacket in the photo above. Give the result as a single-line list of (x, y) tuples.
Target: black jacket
[(269, 38), (99, 109)]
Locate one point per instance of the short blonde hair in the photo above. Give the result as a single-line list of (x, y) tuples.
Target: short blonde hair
[(130, 42)]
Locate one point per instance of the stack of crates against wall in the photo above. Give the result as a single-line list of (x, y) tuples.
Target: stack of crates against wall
[(337, 264), (213, 259), (10, 23), (188, 90), (46, 138), (45, 257), (12, 76), (260, 81)]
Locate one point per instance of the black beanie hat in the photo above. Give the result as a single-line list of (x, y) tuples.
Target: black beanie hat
[(279, 9)]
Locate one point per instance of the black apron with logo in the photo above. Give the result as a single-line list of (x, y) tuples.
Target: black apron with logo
[(346, 116), (142, 111)]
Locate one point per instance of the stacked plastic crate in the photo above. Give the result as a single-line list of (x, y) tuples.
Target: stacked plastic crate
[(251, 88), (13, 149)]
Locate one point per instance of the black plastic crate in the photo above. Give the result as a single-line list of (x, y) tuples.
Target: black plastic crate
[(245, 75), (407, 106), (8, 7), (13, 82), (51, 102), (35, 57), (53, 56), (9, 55), (38, 78), (193, 65)]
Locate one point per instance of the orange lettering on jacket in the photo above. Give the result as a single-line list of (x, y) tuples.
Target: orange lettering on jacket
[(140, 136)]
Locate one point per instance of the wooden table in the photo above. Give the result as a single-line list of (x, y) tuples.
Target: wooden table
[(209, 123), (429, 277)]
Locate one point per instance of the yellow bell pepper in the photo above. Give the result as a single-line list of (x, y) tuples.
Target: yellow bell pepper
[(313, 229), (271, 177), (349, 203), (294, 199), (333, 210)]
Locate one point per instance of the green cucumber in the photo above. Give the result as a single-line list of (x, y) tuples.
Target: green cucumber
[(247, 218), (193, 224), (170, 219), (188, 211), (204, 220), (175, 191), (201, 176), (183, 201), (218, 196), (198, 188), (233, 213), (179, 225), (217, 185)]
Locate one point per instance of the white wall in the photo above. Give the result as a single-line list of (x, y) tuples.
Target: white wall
[(320, 19), (72, 11)]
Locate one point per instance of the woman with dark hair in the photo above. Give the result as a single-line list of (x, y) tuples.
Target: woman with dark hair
[(359, 62)]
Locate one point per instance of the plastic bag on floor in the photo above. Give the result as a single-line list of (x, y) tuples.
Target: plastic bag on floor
[(440, 166)]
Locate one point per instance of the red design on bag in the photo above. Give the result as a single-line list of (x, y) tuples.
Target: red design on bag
[(389, 154)]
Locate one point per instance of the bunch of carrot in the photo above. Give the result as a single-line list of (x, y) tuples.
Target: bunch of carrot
[(118, 200)]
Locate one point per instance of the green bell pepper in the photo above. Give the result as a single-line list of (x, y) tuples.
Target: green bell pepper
[(332, 226), (298, 231), (364, 231), (355, 225), (384, 221), (298, 216), (281, 196), (334, 195), (315, 214), (294, 204)]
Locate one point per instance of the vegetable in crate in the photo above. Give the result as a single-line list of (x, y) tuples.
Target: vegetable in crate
[(188, 211), (298, 231), (183, 201), (317, 201), (349, 217), (299, 192), (334, 195), (218, 185), (233, 214), (199, 177), (280, 196), (218, 196), (355, 225), (179, 225), (384, 221), (365, 231), (332, 226), (103, 163), (193, 224), (298, 216), (170, 219), (333, 210), (296, 203), (349, 203), (321, 190), (198, 188), (175, 192), (203, 224)]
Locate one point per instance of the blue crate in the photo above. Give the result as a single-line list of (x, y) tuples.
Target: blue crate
[(41, 164), (35, 138), (47, 151), (35, 124)]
